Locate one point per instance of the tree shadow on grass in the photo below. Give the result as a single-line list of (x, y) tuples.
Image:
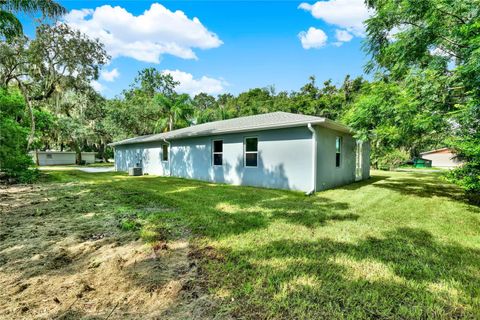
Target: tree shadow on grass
[(231, 210), (425, 185), (219, 210), (360, 184), (309, 212), (404, 274)]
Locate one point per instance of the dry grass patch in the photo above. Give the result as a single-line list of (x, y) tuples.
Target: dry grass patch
[(63, 254)]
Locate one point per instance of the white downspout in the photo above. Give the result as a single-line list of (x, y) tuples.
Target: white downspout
[(314, 160), (169, 157)]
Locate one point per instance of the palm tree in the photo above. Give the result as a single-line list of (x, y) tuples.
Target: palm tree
[(176, 109), (11, 27)]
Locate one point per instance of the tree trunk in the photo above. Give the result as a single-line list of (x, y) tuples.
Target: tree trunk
[(170, 123), (78, 158), (31, 136), (101, 151), (37, 162)]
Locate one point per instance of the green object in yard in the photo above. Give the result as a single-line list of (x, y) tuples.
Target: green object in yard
[(422, 163)]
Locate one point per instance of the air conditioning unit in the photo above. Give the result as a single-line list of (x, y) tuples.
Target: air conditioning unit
[(135, 171)]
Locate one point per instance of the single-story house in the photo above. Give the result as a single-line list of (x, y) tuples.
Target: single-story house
[(52, 158), (274, 150), (442, 158)]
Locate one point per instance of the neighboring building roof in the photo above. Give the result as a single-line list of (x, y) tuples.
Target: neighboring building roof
[(441, 150), (264, 121)]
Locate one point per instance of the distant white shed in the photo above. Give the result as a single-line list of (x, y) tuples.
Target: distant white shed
[(52, 158), (441, 158)]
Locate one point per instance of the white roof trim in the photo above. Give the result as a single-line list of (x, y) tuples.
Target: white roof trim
[(434, 151)]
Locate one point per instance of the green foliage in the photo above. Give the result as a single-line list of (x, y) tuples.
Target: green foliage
[(30, 175), (59, 59), (328, 101), (468, 151), (11, 27), (130, 225), (151, 81), (14, 159), (151, 104), (399, 119), (207, 109), (443, 38), (175, 109), (392, 159)]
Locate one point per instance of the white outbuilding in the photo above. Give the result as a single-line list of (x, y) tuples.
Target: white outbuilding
[(441, 158), (52, 158)]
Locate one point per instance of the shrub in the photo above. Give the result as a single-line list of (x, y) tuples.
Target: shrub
[(130, 225), (468, 175), (28, 175), (14, 159), (392, 159)]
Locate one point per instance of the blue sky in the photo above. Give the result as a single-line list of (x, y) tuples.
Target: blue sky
[(236, 45)]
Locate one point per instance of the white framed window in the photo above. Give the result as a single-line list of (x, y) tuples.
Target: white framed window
[(164, 152), (49, 156), (217, 152), (338, 151), (251, 152)]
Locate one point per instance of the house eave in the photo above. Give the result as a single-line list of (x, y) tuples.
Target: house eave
[(327, 123), (433, 151)]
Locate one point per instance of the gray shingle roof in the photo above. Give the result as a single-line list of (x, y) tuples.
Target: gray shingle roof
[(264, 121)]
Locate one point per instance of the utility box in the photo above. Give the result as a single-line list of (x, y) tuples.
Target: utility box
[(135, 171), (422, 163)]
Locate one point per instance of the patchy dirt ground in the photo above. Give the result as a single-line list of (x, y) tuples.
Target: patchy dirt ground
[(63, 256)]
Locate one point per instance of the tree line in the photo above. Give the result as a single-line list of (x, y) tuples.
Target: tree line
[(423, 93)]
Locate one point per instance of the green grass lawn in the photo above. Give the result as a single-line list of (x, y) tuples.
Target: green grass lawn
[(401, 245), (101, 164)]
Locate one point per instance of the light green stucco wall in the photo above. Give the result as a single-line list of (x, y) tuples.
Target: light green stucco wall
[(285, 159), (328, 175)]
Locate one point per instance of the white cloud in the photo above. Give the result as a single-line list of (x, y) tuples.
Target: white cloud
[(145, 37), (97, 86), (313, 38), (110, 76), (439, 52), (345, 14), (195, 86), (395, 31), (343, 36)]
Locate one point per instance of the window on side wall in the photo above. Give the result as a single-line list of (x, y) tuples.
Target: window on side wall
[(165, 152), (217, 152), (251, 152), (338, 151), (49, 156)]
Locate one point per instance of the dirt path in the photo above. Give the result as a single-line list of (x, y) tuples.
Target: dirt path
[(63, 258)]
